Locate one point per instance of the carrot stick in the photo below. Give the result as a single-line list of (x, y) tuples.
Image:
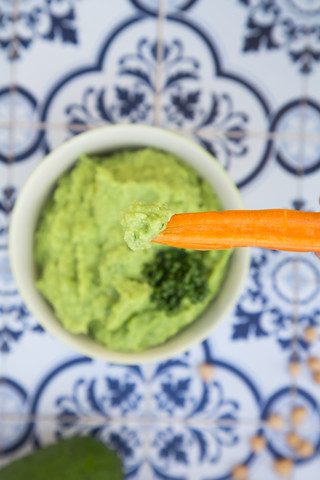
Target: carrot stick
[(276, 229)]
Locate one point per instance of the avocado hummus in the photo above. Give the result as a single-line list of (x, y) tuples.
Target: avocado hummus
[(127, 300), (142, 222)]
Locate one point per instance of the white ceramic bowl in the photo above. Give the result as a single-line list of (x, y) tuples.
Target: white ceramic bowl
[(41, 183)]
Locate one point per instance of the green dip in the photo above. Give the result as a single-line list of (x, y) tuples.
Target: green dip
[(142, 222), (95, 283)]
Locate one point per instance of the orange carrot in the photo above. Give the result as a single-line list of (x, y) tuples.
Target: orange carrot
[(276, 229)]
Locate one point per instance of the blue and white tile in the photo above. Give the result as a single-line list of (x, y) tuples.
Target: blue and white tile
[(263, 468), (281, 403), (179, 392), (5, 133), (252, 164), (261, 325), (64, 384), (273, 186), (305, 380), (28, 152), (185, 452), (60, 29), (14, 403), (83, 389), (16, 320), (151, 7), (36, 21), (193, 450), (258, 39), (176, 452), (301, 117), (118, 87), (80, 49), (199, 91), (6, 77), (6, 16), (13, 312), (25, 113), (308, 470), (314, 96)]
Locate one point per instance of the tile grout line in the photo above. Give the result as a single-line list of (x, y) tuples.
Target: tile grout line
[(13, 82), (12, 90), (156, 121), (296, 266), (209, 132), (159, 63), (149, 421), (9, 172)]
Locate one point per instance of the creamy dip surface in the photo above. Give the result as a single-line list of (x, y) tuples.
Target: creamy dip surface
[(142, 222), (94, 282)]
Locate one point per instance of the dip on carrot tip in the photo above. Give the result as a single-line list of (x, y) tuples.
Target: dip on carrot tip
[(277, 229), (142, 222)]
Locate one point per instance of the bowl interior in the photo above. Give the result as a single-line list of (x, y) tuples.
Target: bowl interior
[(41, 183)]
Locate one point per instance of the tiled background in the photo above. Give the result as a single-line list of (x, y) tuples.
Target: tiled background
[(240, 77)]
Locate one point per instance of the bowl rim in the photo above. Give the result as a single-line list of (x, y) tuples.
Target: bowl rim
[(50, 323)]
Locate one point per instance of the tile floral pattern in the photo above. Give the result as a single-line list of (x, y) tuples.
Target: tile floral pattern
[(197, 67), (48, 20), (265, 309), (292, 26)]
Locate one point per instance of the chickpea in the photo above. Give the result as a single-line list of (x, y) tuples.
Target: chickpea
[(258, 443), (206, 372), (283, 467), (314, 364), (298, 415), (293, 440), (240, 472), (276, 422), (294, 368), (310, 334), (306, 449), (316, 377)]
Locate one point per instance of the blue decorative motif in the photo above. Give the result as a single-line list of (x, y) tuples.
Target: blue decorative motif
[(182, 452), (16, 318), (25, 106), (42, 19), (14, 401), (213, 414), (152, 6), (113, 391), (173, 391), (231, 143), (7, 200), (278, 281), (181, 106), (89, 397), (298, 116), (131, 104), (177, 394), (173, 447), (281, 403), (190, 100), (293, 25)]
